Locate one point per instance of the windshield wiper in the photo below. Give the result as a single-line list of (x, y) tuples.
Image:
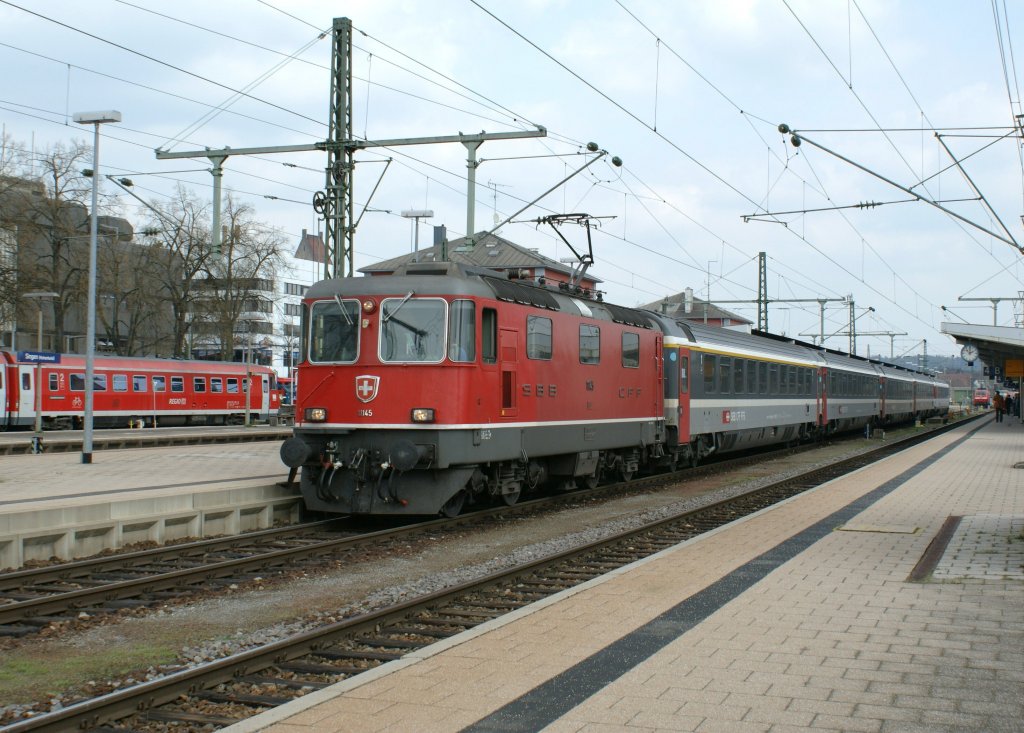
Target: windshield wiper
[(404, 300), (341, 307)]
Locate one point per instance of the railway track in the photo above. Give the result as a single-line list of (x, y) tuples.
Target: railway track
[(32, 599), (220, 693)]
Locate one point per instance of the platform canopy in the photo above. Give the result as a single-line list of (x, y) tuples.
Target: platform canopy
[(998, 346)]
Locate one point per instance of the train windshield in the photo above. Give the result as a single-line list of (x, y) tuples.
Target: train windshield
[(334, 333), (412, 329)]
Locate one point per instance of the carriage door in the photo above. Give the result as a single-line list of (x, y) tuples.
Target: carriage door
[(822, 397), (3, 392), (508, 347)]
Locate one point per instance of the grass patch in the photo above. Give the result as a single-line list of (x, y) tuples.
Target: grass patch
[(31, 675)]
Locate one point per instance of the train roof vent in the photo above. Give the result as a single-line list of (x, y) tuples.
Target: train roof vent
[(519, 293), (427, 268), (628, 316)]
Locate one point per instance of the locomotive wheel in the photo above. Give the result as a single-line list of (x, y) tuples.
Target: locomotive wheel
[(593, 480), (453, 507), (511, 498)]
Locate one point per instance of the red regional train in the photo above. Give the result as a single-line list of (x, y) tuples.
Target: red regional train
[(133, 391), (443, 384)]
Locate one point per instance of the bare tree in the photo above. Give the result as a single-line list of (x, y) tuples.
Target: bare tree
[(240, 281), (178, 258), (47, 212)]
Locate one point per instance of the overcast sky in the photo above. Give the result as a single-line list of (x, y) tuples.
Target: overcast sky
[(689, 94)]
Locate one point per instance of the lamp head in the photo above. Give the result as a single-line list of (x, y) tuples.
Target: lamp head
[(94, 118)]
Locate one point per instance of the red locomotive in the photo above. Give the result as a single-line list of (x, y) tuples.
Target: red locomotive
[(134, 391), (444, 383)]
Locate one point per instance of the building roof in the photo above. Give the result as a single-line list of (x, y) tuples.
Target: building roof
[(675, 306), (491, 251), (311, 247)]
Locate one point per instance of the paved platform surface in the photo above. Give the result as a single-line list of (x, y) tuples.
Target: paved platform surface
[(54, 506), (799, 618), (62, 478)]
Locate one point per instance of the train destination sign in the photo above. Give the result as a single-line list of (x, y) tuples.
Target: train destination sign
[(38, 357)]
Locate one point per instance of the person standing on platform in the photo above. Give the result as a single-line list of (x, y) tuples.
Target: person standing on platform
[(1010, 404), (998, 404)]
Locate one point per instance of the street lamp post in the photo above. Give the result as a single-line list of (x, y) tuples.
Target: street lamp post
[(95, 119), (39, 297)]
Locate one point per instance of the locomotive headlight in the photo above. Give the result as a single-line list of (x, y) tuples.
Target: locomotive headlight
[(423, 414), (316, 414)]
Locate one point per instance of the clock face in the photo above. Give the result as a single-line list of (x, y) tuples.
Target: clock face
[(969, 353)]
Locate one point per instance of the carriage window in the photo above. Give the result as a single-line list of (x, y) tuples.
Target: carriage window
[(631, 350), (762, 377), (684, 375), (793, 380), (99, 382), (590, 344), (773, 379), (159, 383), (462, 331), (177, 384), (724, 374), (198, 384), (490, 335), (78, 382), (538, 337), (232, 385), (710, 365), (216, 384), (335, 331), (739, 371), (120, 382), (412, 330), (26, 381), (139, 383), (54, 384)]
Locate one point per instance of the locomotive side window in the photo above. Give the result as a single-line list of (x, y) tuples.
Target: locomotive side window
[(335, 331), (177, 384), (538, 337), (411, 329), (462, 331), (631, 350), (590, 344), (489, 333), (120, 382), (216, 384), (198, 384), (159, 383)]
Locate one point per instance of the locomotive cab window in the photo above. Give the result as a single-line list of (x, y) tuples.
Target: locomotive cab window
[(462, 331), (334, 334), (631, 350), (412, 330)]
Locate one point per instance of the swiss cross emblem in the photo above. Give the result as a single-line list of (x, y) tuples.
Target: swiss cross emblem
[(366, 387)]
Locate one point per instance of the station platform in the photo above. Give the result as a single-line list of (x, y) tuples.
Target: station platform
[(801, 617), (53, 505)]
